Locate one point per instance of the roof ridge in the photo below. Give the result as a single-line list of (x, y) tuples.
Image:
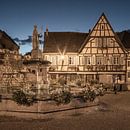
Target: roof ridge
[(70, 32)]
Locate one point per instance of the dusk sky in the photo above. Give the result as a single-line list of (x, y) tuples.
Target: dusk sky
[(17, 17)]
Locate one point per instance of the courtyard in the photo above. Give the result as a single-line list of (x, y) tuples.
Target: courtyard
[(113, 113)]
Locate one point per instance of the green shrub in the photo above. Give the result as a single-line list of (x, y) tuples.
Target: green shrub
[(92, 82), (22, 98), (78, 82), (62, 81), (64, 97), (87, 95), (92, 95)]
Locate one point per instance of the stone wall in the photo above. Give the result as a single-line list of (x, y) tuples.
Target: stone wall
[(42, 106)]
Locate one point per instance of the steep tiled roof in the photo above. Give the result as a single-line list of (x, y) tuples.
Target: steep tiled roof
[(72, 41), (6, 42), (68, 41), (36, 61), (125, 38)]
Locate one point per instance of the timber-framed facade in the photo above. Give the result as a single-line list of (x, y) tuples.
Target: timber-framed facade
[(100, 54)]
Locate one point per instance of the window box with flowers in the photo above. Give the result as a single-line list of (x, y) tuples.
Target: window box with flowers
[(89, 67)]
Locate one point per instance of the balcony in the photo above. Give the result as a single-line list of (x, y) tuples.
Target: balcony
[(104, 68), (71, 68), (88, 68)]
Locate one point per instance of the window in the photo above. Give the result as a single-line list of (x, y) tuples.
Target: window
[(116, 60), (99, 42), (33, 71), (128, 74), (81, 60), (87, 60), (53, 60), (99, 60), (128, 63), (45, 58), (71, 60), (102, 26), (102, 42), (122, 60), (40, 69), (109, 42)]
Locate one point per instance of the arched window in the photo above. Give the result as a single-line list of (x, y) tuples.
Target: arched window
[(40, 69), (33, 71)]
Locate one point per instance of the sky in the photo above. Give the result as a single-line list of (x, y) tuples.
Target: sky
[(17, 17)]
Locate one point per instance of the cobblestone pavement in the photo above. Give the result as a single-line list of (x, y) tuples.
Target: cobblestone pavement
[(112, 114)]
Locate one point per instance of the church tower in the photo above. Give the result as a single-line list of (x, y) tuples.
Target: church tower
[(36, 52)]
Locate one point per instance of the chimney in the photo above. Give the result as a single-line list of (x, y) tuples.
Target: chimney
[(89, 30)]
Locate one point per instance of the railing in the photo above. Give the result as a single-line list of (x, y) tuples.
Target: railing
[(104, 68), (90, 68)]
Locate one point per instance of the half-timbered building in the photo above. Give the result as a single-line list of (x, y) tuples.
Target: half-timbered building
[(100, 54)]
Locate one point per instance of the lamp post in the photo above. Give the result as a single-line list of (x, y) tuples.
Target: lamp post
[(115, 83)]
